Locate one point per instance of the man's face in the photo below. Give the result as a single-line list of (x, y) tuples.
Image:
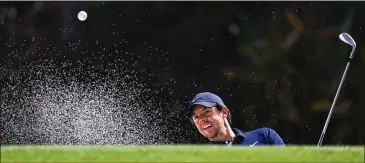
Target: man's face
[(209, 121)]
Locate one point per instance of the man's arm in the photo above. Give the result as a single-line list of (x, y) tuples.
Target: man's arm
[(274, 138)]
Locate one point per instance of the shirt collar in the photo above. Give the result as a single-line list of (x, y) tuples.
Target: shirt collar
[(239, 135), (238, 132)]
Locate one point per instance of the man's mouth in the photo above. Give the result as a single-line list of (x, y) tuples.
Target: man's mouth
[(207, 126)]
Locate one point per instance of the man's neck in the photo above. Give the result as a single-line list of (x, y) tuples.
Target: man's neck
[(226, 136)]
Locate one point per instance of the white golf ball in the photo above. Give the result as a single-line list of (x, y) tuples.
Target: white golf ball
[(82, 15)]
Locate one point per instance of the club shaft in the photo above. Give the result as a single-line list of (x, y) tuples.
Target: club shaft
[(333, 103)]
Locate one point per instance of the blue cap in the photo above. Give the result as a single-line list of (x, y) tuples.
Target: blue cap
[(206, 99)]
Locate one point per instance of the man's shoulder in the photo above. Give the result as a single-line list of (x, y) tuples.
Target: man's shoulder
[(262, 130), (264, 135)]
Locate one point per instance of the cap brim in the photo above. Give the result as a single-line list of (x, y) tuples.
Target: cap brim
[(206, 104)]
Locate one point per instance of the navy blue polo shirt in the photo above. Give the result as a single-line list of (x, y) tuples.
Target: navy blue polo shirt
[(258, 137)]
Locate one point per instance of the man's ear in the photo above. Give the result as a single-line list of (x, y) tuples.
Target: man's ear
[(225, 111)]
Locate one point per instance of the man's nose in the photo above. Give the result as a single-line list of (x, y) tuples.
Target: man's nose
[(203, 119)]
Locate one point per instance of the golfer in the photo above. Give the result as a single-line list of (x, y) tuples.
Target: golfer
[(211, 117)]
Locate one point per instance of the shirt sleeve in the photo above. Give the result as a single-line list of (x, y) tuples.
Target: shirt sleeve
[(274, 138)]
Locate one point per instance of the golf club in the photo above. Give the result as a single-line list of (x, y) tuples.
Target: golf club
[(350, 41)]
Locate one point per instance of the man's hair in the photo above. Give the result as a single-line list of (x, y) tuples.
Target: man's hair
[(220, 108)]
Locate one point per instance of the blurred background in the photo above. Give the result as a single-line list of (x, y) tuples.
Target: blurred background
[(275, 64)]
